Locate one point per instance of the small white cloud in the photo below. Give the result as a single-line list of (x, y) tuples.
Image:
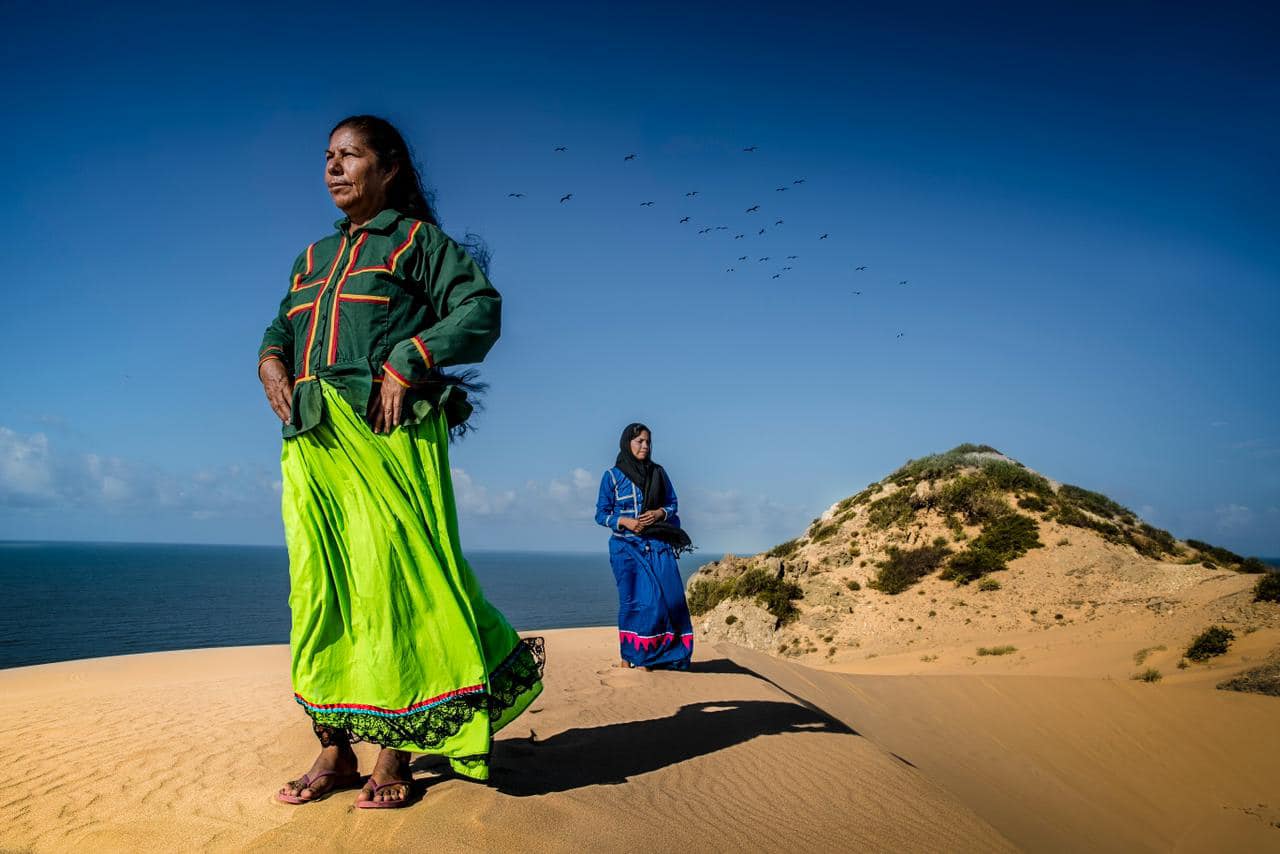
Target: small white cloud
[(26, 470), (471, 497), (1260, 448), (34, 474), (1233, 517)]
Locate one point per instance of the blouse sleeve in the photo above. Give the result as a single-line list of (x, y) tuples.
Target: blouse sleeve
[(606, 508), (277, 341), (469, 308)]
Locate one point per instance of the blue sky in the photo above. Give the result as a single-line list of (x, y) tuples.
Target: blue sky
[(1081, 201)]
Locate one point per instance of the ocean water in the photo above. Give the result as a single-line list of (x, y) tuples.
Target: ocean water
[(62, 601)]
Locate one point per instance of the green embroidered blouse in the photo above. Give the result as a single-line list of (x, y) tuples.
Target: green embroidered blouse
[(388, 301)]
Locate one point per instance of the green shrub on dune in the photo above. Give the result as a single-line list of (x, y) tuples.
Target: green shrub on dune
[(972, 564), (1007, 649), (1068, 514), (768, 589), (1004, 538), (1216, 553), (1253, 566), (1213, 641), (1010, 535), (772, 593), (904, 568), (893, 509), (1014, 478), (786, 549), (972, 496), (818, 533), (934, 466), (1094, 502), (704, 594), (1268, 588)]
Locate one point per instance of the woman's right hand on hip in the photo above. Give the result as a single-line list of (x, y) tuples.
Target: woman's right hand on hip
[(276, 384)]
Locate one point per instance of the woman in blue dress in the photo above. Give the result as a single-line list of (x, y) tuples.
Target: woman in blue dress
[(638, 503)]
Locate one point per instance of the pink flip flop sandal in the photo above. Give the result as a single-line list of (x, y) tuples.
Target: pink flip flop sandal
[(387, 805), (344, 781)]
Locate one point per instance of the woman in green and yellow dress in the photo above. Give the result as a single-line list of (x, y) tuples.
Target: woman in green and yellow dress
[(392, 640)]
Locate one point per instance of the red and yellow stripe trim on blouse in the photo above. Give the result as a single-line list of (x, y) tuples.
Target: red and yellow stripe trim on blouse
[(364, 298), (422, 350), (394, 257), (272, 352), (299, 285), (337, 299), (311, 332), (299, 309), (395, 375)]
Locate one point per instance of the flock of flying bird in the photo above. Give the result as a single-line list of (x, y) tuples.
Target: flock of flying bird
[(567, 197)]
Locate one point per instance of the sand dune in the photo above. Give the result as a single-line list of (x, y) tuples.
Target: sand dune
[(1072, 764), (183, 751)]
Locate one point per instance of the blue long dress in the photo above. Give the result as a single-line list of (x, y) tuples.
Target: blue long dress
[(654, 629)]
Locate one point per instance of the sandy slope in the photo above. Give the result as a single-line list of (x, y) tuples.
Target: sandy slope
[(1072, 764), (182, 751)]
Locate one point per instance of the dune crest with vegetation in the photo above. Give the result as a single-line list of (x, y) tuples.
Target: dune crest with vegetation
[(970, 553)]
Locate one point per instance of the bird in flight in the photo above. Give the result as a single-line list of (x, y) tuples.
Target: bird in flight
[(779, 222), (561, 148), (749, 148), (761, 231), (738, 236), (793, 257), (859, 268), (722, 228), (899, 335), (777, 275), (798, 181), (779, 189), (515, 195), (742, 257), (903, 282), (703, 230), (765, 258), (786, 268), (858, 293), (728, 269), (824, 237), (566, 197), (684, 219), (646, 204), (691, 194), (753, 209), (629, 157)]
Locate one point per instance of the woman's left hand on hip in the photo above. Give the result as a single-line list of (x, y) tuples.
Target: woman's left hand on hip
[(386, 410)]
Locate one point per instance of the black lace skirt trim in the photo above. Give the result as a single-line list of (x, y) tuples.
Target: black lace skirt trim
[(431, 727)]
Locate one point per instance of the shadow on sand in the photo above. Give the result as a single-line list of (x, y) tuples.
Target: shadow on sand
[(614, 753)]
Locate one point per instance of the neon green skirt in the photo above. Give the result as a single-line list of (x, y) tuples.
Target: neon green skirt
[(392, 639)]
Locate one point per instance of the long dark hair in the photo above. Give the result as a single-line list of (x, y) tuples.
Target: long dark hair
[(407, 193)]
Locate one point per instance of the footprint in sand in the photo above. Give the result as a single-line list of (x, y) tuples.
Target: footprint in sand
[(618, 678)]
